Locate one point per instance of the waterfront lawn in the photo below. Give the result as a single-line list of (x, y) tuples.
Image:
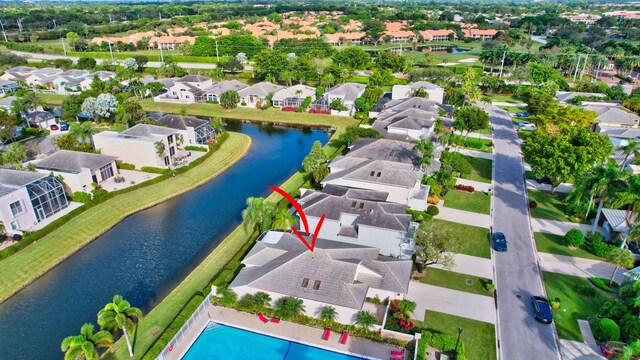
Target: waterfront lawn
[(477, 201), (455, 281), (551, 208), (554, 244), (476, 239), (479, 337), (481, 169), (573, 306), (23, 267)]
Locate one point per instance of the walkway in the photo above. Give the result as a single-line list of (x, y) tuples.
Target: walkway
[(560, 227), (463, 217), (470, 265), (586, 350), (509, 104), (581, 267), (474, 153), (454, 302), (517, 274), (477, 185), (475, 135), (562, 188)]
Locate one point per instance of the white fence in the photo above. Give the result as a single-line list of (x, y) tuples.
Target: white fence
[(188, 325)]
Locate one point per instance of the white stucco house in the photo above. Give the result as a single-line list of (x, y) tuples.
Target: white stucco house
[(185, 89), (347, 93), (213, 92), (139, 145), (436, 93), (407, 119), (254, 95), (78, 169), (293, 96), (335, 274)]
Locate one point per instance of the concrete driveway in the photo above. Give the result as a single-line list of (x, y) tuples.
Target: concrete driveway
[(575, 266)]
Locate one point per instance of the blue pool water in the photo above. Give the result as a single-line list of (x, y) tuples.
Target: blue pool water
[(225, 342)]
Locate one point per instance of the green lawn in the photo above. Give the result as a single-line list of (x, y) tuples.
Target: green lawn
[(54, 99), (474, 143), (476, 239), (573, 306), (554, 244), (23, 267), (479, 337), (552, 208), (106, 126), (455, 281), (481, 169), (478, 202), (511, 99)]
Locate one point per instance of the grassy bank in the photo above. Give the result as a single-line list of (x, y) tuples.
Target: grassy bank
[(24, 267)]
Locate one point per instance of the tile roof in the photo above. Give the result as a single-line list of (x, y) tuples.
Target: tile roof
[(617, 219), (74, 161), (261, 89), (222, 86), (291, 91), (348, 91), (374, 171), (613, 114), (384, 149), (180, 122)]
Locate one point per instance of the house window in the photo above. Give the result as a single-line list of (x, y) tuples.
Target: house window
[(16, 208), (378, 174), (106, 171), (14, 225), (305, 282), (170, 139), (372, 173), (316, 285), (172, 151), (353, 204)]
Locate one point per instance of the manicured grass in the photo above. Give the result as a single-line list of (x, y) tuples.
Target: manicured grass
[(107, 127), (54, 99), (476, 144), (573, 306), (479, 337), (511, 99), (476, 239), (25, 266), (554, 244), (478, 202), (552, 208), (481, 169), (455, 281)]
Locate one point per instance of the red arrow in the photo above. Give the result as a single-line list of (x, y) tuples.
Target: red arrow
[(303, 217)]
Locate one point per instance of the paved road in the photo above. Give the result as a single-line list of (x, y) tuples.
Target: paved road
[(517, 274)]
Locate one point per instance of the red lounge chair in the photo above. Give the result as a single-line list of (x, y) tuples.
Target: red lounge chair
[(326, 334), (397, 358), (263, 318), (397, 353), (275, 320), (344, 337)]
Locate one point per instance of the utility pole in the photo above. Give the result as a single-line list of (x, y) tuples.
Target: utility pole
[(5, 36), (64, 48), (110, 50), (400, 49), (54, 23), (19, 22), (504, 55), (598, 70), (161, 56), (584, 67), (217, 56), (577, 66)]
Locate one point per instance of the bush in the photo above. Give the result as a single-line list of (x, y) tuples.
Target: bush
[(126, 166), (533, 204), (586, 290), (467, 188), (574, 238), (444, 342), (614, 309), (606, 329), (154, 170), (459, 164), (600, 248), (80, 196), (601, 284), (29, 132), (435, 190), (433, 210), (419, 216), (99, 193), (195, 148), (433, 200), (629, 327)]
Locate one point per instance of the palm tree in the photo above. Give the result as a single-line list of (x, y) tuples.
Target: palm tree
[(603, 183), (259, 214), (84, 346), (631, 148), (366, 319), (83, 131), (261, 300), (629, 197), (289, 306), (228, 296), (287, 76), (621, 258), (283, 220), (119, 314), (32, 100), (328, 313)]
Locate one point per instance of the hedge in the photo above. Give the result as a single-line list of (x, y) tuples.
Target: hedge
[(126, 166), (22, 47), (154, 170), (444, 342), (30, 237), (195, 148), (602, 284)]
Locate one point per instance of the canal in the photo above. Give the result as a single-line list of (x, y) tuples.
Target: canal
[(146, 255)]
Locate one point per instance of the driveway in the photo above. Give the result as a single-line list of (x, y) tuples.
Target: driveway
[(576, 266), (473, 153), (454, 302), (517, 274)]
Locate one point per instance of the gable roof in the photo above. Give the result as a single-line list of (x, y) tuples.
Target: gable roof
[(384, 149), (74, 161), (617, 219), (613, 114), (222, 86), (290, 92), (193, 79), (180, 122), (348, 91), (148, 131), (566, 96), (344, 272), (261, 89)]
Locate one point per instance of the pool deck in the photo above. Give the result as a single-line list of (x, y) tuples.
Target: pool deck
[(285, 330)]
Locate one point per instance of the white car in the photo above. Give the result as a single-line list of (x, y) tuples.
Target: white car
[(525, 125)]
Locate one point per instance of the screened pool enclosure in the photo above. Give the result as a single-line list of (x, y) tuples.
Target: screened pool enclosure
[(47, 197)]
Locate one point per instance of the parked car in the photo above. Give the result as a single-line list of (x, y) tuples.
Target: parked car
[(499, 242), (544, 180), (522, 114), (54, 127), (541, 309), (64, 126), (34, 126), (525, 125)]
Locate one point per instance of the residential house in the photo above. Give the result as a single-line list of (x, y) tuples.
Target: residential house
[(131, 39), (7, 87), (69, 81), (194, 131), (436, 93), (337, 274), (612, 114), (347, 93), (85, 84), (360, 217), (615, 223), (213, 92), (399, 36), (141, 145), (40, 118), (619, 137), (384, 165), (43, 77), (587, 19), (6, 104), (254, 95), (293, 96), (170, 42), (28, 198), (566, 97), (623, 14), (185, 89), (79, 170), (480, 34), (348, 38), (406, 125), (437, 35), (18, 73)]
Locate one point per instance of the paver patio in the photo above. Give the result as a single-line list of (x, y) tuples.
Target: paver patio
[(575, 266)]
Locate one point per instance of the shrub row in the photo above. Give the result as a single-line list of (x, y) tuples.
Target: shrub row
[(444, 342), (319, 111), (288, 108), (602, 284), (598, 246), (155, 170), (467, 188), (126, 166), (22, 47), (419, 216), (30, 237), (195, 148), (80, 196)]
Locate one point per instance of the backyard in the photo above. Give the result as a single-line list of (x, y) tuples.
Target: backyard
[(481, 169), (554, 244), (573, 305), (476, 238), (477, 201), (455, 281)]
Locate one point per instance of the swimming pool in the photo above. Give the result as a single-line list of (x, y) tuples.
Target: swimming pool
[(226, 342)]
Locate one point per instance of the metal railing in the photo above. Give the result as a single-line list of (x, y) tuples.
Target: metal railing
[(188, 325)]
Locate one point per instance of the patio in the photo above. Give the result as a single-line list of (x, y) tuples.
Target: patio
[(131, 177)]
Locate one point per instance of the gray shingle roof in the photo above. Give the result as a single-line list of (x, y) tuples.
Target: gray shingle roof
[(623, 133), (424, 84), (368, 205), (148, 130), (379, 172), (398, 105), (340, 268), (225, 85), (384, 149), (291, 92), (18, 178), (181, 122), (616, 218), (566, 96), (193, 79), (261, 89), (611, 114), (348, 91), (74, 161)]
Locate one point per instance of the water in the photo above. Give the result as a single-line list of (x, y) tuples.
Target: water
[(146, 255), (225, 342)]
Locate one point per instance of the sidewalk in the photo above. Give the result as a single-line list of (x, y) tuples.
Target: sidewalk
[(458, 303), (575, 266), (586, 350), (562, 188), (474, 153), (463, 217), (470, 265), (475, 135), (559, 227), (479, 186)]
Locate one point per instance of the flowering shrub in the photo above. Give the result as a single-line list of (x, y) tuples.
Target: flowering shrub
[(288, 108), (533, 204), (433, 200), (468, 188), (320, 111)]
